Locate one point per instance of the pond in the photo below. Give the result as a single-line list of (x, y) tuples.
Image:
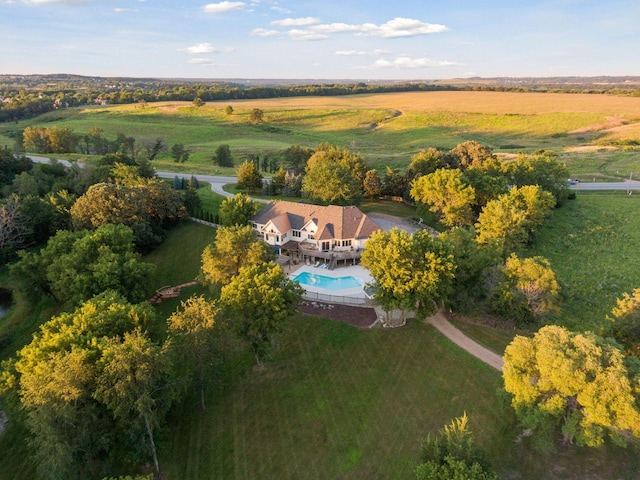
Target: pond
[(6, 301)]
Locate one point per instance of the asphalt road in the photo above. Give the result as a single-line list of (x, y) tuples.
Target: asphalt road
[(217, 182)]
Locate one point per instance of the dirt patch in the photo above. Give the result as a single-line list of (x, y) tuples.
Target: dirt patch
[(357, 316)]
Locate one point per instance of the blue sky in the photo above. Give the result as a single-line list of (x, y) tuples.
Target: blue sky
[(321, 39)]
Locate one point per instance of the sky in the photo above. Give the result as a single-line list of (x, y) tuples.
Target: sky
[(320, 39)]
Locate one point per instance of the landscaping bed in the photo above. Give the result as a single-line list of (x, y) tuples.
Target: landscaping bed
[(356, 316)]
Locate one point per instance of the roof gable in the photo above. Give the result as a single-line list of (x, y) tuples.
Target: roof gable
[(332, 221)]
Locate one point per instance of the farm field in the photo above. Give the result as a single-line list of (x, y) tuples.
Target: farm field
[(387, 129)]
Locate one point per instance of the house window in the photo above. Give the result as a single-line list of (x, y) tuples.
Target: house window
[(346, 243), (278, 238), (325, 246), (311, 237), (295, 233)]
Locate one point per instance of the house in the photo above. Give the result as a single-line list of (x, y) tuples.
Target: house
[(313, 232)]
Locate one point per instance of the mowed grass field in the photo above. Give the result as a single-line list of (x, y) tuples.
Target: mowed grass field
[(387, 129), (592, 244), (339, 402)]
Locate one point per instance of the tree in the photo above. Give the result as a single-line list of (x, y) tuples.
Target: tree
[(372, 186), (198, 102), (196, 340), (62, 140), (14, 227), (296, 157), (447, 194), (36, 139), (237, 210), (452, 455), (528, 290), (223, 157), (576, 382), (192, 201), (256, 116), (249, 177), (56, 375), (513, 218), (258, 300), (179, 153), (625, 322), (278, 181), (426, 162), (474, 263), (154, 147), (148, 206), (135, 384), (228, 110), (542, 169), (410, 272), (331, 183), (470, 153), (232, 248), (75, 266)]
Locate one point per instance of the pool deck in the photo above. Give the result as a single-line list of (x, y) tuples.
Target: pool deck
[(356, 271)]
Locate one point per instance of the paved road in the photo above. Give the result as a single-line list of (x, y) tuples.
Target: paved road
[(626, 185), (217, 182)]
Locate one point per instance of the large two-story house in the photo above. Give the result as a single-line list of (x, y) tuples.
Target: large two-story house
[(314, 233)]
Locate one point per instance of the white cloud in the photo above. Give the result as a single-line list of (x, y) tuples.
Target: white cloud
[(404, 27), (337, 28), (261, 32), (396, 28), (281, 10), (361, 53), (306, 35), (296, 22), (202, 48), (124, 10), (405, 61), (223, 7), (200, 61)]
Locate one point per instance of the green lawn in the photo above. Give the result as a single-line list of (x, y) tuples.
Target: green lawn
[(592, 244), (343, 403)]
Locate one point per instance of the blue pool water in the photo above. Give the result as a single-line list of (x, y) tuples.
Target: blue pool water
[(328, 283)]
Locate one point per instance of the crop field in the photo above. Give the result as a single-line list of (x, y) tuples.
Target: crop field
[(387, 129)]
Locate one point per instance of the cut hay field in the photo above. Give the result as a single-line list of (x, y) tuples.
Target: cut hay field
[(387, 129)]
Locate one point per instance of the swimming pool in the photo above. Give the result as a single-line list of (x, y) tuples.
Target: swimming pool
[(328, 283)]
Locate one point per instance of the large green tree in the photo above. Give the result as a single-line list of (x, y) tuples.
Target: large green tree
[(74, 266), (528, 289), (258, 300), (148, 206), (578, 383), (136, 384), (237, 210), (232, 248), (331, 183), (56, 377), (334, 175), (447, 194), (410, 272), (513, 218)]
